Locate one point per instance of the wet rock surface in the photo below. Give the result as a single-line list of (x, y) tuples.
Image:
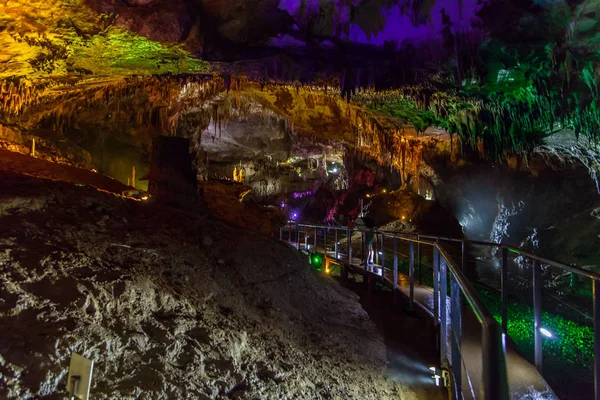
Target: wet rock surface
[(169, 305)]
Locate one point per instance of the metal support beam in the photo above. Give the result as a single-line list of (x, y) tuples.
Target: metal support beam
[(443, 310), (456, 338), (537, 313), (504, 289)]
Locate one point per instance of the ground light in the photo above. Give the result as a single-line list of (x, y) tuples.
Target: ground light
[(316, 260), (546, 332)]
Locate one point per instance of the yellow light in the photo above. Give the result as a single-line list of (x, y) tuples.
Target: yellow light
[(145, 198), (403, 217)]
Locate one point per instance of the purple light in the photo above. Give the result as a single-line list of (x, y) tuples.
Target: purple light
[(299, 195)]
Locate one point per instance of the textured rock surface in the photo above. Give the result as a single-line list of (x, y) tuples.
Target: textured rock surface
[(169, 305)]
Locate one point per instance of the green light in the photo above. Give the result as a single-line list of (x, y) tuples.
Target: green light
[(316, 260)]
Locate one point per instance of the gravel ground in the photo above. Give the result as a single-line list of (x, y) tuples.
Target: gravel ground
[(170, 305)]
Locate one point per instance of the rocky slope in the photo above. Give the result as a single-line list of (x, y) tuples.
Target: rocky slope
[(169, 305)]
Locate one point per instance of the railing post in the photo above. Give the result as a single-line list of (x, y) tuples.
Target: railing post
[(382, 253), (436, 285), (504, 289), (456, 335), (395, 283), (298, 236), (419, 259), (596, 297), (365, 255), (336, 244), (290, 233), (495, 376), (537, 313), (306, 238), (443, 310), (349, 250), (376, 248), (315, 241), (325, 243), (281, 233), (463, 265), (411, 273)]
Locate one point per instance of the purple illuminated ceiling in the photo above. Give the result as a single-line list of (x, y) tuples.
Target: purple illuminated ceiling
[(397, 26)]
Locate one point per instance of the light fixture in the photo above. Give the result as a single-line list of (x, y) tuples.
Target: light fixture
[(546, 332)]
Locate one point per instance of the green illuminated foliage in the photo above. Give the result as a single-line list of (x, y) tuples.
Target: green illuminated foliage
[(122, 52), (572, 343)]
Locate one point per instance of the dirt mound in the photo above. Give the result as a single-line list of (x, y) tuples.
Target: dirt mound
[(27, 165), (169, 305)]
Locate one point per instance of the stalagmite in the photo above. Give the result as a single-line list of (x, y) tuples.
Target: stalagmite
[(33, 147)]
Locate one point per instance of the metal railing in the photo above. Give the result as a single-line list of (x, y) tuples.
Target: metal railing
[(494, 382), (447, 269)]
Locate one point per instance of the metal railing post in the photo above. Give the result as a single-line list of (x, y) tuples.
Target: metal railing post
[(443, 310), (456, 335), (596, 297), (537, 313), (504, 289), (395, 273), (463, 265), (411, 273), (315, 245), (436, 285), (363, 244), (290, 233), (349, 250), (395, 263), (495, 376), (325, 242), (298, 236), (419, 259), (382, 253), (376, 248), (336, 244)]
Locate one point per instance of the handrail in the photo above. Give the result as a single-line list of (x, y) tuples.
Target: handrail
[(494, 374), (494, 357)]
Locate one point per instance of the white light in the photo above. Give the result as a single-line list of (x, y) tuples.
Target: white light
[(545, 332), (335, 170), (380, 253), (432, 369)]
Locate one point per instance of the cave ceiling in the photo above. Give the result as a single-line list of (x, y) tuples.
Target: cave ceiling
[(323, 73)]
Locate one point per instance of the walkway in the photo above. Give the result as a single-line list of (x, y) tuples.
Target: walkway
[(524, 380)]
